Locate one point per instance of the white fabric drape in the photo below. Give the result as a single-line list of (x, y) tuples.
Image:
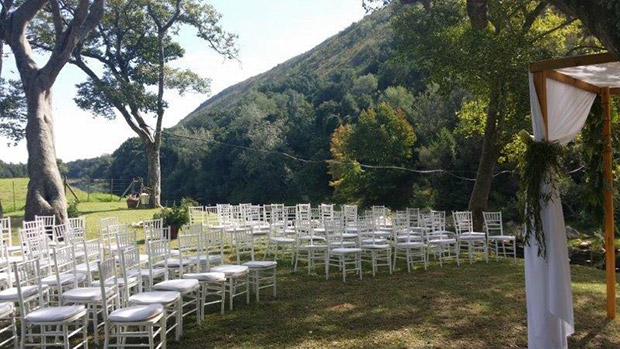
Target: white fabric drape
[(547, 282)]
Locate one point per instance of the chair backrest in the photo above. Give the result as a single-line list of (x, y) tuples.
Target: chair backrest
[(196, 214), (126, 239), (108, 284), (60, 233), (92, 252), (350, 215), (244, 244), (277, 214), (303, 212), (493, 224), (211, 244), (462, 222), (189, 249), (5, 267), (224, 214), (326, 211), (158, 252), (400, 223), (6, 237), (210, 217), (38, 248), (438, 220), (414, 217), (334, 233), (27, 274), (130, 266), (106, 222), (78, 223), (64, 263)]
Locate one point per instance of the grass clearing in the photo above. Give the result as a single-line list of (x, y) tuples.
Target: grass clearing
[(472, 306)]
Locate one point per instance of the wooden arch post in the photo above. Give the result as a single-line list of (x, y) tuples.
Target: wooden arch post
[(608, 202)]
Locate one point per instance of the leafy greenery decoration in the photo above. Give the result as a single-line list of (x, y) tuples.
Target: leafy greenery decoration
[(538, 168)]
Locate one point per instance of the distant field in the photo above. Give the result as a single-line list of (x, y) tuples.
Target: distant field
[(19, 187), (94, 211)]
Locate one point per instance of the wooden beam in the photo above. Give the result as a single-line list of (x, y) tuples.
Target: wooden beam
[(540, 84), (575, 61), (608, 201), (569, 80), (615, 91)]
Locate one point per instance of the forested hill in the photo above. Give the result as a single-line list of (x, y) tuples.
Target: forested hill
[(363, 46), (266, 139)]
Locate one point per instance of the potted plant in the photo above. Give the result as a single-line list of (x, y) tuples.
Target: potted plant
[(176, 216)]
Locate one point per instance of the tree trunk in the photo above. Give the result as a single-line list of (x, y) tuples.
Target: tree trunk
[(154, 173), (45, 188), (479, 198)]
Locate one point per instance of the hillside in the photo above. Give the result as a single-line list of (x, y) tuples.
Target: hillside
[(359, 46)]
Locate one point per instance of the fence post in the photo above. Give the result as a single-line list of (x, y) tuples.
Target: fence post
[(14, 204), (111, 188), (88, 190)]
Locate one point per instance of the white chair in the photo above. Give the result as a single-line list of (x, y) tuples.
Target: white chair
[(375, 248), (339, 252), (155, 230), (350, 218), (7, 324), (408, 244), (310, 247), (187, 288), (196, 214), (139, 321), (48, 223), (440, 242), (237, 281), (129, 279), (64, 276), (54, 323), (280, 242), (6, 235), (262, 275), (494, 228), (171, 300), (211, 284), (91, 253), (244, 243), (469, 240)]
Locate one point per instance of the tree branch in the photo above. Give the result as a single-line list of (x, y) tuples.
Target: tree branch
[(531, 17)]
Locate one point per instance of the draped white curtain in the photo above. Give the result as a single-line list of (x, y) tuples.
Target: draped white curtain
[(547, 282)]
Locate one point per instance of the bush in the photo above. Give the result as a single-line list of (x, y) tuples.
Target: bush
[(72, 209), (177, 215)]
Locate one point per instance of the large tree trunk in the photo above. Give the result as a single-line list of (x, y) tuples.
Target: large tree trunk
[(45, 189), (479, 198), (154, 173)]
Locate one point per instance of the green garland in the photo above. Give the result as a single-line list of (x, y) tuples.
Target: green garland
[(539, 165)]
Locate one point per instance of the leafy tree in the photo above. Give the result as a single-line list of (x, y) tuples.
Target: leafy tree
[(12, 110), (489, 63), (135, 46), (64, 25), (381, 137)]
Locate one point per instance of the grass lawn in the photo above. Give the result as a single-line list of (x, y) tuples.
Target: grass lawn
[(472, 306)]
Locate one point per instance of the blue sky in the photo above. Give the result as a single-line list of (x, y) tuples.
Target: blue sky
[(270, 32)]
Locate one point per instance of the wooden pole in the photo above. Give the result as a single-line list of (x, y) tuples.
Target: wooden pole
[(610, 258), (540, 84)]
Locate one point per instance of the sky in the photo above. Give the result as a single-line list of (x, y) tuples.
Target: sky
[(270, 32)]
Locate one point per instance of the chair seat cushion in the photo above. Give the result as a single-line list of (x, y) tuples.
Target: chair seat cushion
[(502, 237), (6, 310), (213, 258), (211, 276), (10, 294), (409, 244), (155, 297), (82, 268), (346, 250), (65, 279), (376, 241), (121, 282), (343, 243), (136, 313), (230, 270), (56, 314), (86, 294), (176, 262), (282, 240), (182, 285), (261, 264), (472, 237), (349, 235), (375, 246), (313, 247), (4, 277), (442, 241)]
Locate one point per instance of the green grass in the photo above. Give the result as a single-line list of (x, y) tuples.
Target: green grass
[(472, 306), (21, 188), (94, 211)]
